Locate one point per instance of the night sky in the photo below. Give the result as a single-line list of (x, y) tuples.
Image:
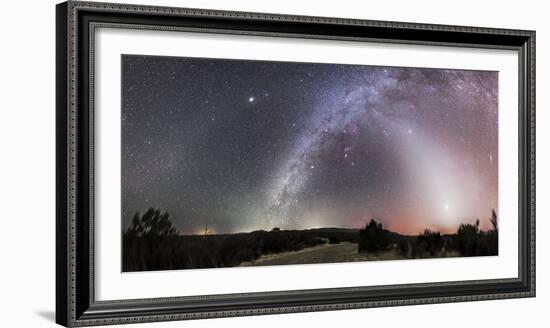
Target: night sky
[(243, 145)]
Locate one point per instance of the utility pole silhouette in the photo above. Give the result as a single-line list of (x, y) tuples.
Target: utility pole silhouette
[(206, 229)]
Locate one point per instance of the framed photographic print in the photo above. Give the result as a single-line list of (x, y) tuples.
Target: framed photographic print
[(214, 163)]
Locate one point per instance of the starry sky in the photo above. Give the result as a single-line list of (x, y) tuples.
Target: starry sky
[(242, 145)]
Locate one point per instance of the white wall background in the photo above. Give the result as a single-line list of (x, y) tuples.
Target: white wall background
[(27, 162)]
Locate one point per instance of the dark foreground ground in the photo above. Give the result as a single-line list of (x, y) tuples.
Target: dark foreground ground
[(332, 253), (326, 245), (324, 253)]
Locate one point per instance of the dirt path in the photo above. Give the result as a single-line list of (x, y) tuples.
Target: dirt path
[(325, 253)]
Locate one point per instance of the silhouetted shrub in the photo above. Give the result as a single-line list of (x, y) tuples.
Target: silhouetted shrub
[(492, 235), (430, 242), (468, 239), (450, 243), (471, 241), (335, 236), (404, 247)]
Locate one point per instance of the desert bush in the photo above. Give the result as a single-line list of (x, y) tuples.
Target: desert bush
[(471, 241), (404, 247), (430, 242), (335, 236), (468, 239)]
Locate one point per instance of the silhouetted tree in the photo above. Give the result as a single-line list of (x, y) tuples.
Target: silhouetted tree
[(494, 222), (492, 235), (373, 237), (151, 223), (147, 241)]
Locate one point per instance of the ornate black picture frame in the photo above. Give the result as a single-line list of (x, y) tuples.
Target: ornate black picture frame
[(75, 279)]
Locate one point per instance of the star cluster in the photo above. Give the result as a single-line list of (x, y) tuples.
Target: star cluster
[(243, 145)]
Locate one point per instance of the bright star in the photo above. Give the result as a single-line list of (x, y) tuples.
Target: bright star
[(251, 99)]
